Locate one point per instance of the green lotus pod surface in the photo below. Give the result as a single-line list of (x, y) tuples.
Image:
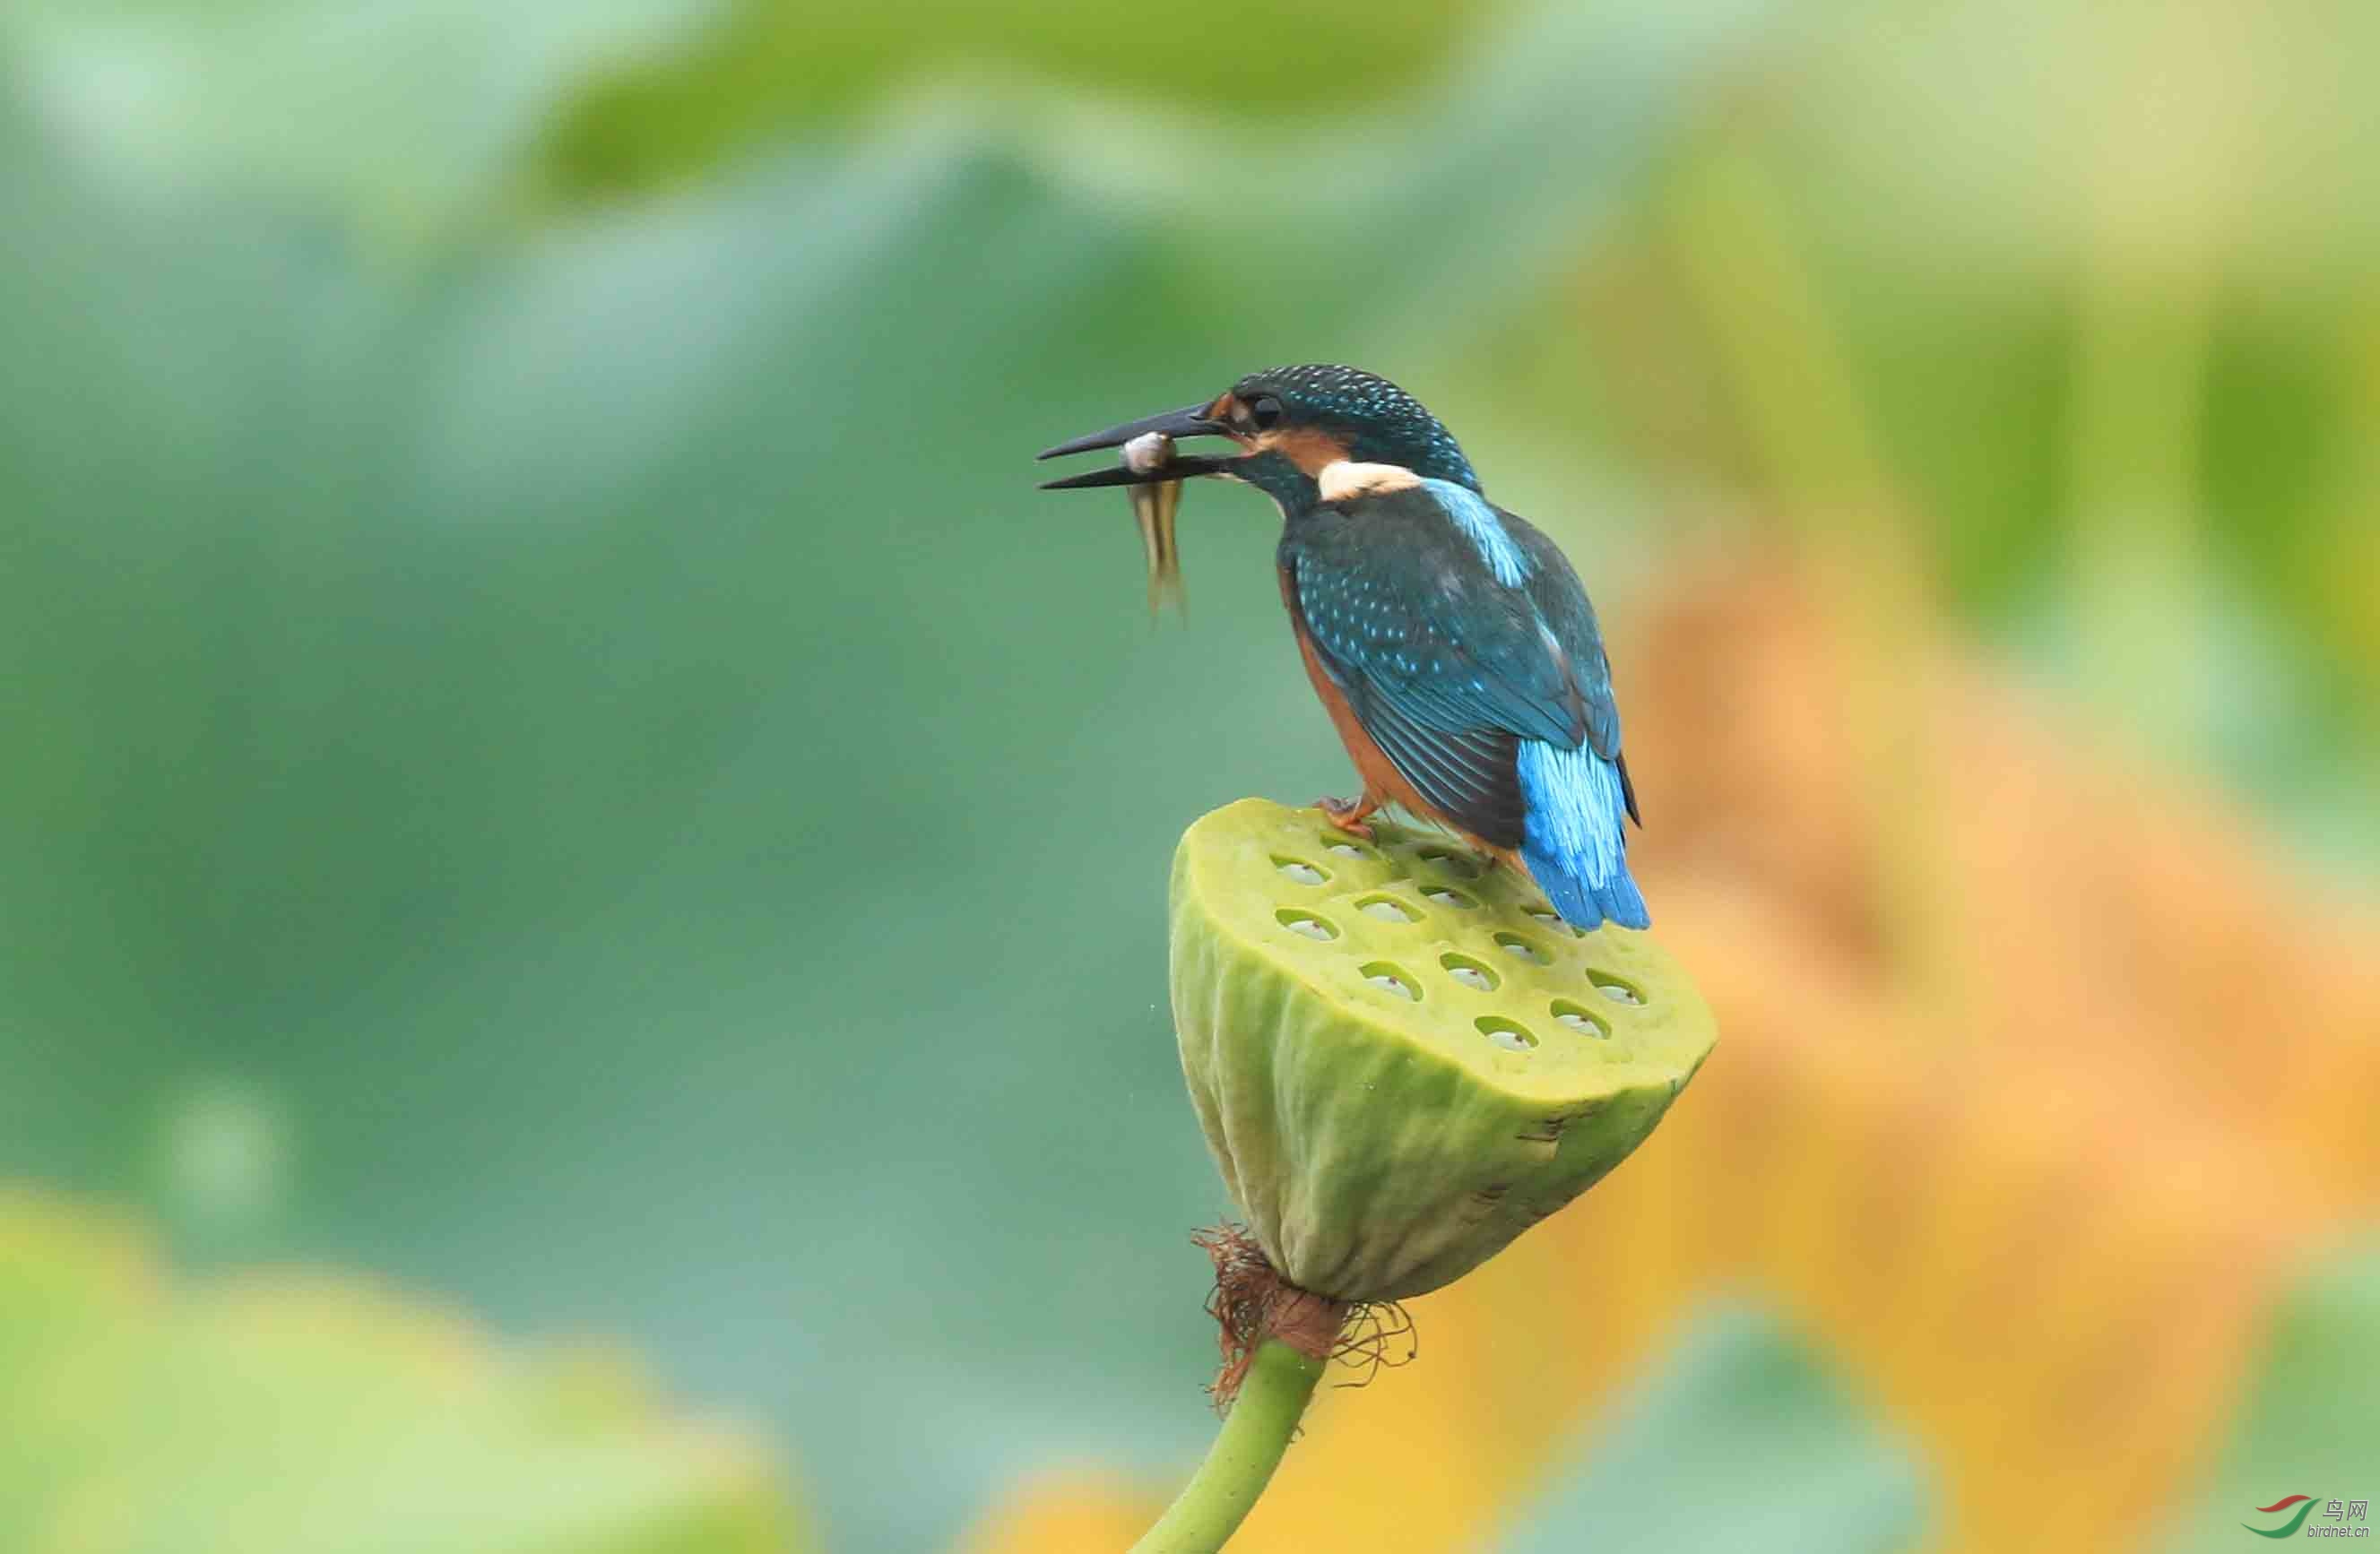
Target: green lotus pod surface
[(1401, 1057)]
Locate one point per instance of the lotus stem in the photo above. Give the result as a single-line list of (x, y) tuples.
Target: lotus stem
[(1219, 1495)]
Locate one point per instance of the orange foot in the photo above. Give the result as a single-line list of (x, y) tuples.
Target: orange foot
[(1347, 815)]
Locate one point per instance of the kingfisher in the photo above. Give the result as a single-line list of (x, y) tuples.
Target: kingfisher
[(1449, 639)]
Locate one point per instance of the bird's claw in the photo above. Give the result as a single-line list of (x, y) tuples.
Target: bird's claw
[(1347, 816)]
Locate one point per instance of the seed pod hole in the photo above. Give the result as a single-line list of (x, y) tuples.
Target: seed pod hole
[(1452, 863), (1343, 846), (1579, 1020), (1614, 988), (1454, 899), (1387, 909), (1392, 979), (1553, 920), (1505, 1033), (1300, 870), (1521, 948), (1306, 923), (1470, 973)]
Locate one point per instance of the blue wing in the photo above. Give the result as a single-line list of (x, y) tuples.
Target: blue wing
[(1468, 650)]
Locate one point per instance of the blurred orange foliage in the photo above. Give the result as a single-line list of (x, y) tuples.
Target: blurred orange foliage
[(1064, 1511), (2029, 1168)]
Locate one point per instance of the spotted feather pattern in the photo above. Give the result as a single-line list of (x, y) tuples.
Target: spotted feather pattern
[(1472, 658)]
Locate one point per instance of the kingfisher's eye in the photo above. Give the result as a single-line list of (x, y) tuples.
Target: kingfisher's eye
[(1264, 412)]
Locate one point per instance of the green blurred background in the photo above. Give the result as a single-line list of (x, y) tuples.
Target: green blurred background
[(554, 755)]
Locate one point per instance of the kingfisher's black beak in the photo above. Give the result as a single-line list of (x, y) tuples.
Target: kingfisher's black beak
[(1189, 422)]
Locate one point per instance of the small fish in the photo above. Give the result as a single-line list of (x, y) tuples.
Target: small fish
[(1155, 507)]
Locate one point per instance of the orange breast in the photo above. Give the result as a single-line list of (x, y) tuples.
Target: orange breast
[(1381, 778)]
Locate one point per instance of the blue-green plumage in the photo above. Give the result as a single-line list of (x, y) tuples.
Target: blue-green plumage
[(1466, 648), (1450, 638)]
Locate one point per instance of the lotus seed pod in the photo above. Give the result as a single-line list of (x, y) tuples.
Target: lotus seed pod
[(1401, 1057)]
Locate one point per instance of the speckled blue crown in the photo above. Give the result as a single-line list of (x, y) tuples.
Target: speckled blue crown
[(1380, 422)]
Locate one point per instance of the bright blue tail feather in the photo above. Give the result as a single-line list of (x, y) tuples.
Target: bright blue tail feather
[(1574, 843)]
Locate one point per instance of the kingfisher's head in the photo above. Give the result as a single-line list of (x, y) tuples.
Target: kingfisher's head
[(1291, 424)]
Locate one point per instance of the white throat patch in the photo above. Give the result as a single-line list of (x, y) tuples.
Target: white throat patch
[(1343, 478)]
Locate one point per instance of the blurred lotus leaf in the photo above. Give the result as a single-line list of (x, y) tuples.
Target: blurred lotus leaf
[(449, 646), (1742, 1431), (2309, 1423), (412, 116), (308, 1414)]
